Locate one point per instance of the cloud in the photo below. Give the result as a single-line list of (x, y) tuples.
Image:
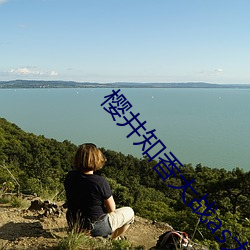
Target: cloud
[(31, 71), (211, 72), (53, 73), (22, 26), (218, 70), (22, 71), (3, 1)]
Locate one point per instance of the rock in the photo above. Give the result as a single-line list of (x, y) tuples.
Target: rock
[(36, 205), (47, 207)]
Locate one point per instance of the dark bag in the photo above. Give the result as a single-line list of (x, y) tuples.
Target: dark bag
[(173, 240)]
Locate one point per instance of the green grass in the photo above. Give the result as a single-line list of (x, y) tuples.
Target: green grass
[(75, 241), (5, 200), (14, 201), (82, 241)]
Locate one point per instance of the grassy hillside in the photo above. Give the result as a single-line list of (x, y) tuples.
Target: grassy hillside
[(35, 164)]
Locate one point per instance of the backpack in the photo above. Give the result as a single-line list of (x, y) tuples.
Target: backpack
[(174, 240)]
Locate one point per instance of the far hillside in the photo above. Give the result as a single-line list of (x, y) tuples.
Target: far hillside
[(39, 165), (16, 84)]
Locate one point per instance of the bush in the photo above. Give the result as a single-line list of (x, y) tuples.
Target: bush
[(5, 200), (121, 194), (81, 241), (75, 241), (152, 210), (18, 202)]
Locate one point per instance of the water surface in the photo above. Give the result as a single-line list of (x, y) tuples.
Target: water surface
[(207, 126)]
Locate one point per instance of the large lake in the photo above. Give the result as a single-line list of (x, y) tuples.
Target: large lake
[(207, 126)]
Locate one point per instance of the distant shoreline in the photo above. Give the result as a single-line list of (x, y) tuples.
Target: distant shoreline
[(21, 84)]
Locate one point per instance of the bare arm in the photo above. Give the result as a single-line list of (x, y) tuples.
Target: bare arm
[(110, 204)]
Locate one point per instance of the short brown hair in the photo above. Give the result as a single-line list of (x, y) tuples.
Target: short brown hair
[(88, 158)]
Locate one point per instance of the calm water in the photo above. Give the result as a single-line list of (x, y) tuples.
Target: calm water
[(207, 126)]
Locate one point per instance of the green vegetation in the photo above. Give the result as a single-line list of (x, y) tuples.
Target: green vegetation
[(17, 84), (75, 241), (81, 241), (35, 164)]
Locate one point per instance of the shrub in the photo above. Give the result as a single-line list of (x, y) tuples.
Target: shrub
[(75, 241), (18, 202), (152, 210)]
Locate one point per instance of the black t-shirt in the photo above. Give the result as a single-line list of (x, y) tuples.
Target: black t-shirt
[(86, 193)]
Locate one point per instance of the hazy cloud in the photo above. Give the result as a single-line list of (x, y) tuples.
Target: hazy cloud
[(22, 26), (22, 71), (3, 1), (32, 71), (53, 73), (211, 72), (218, 70)]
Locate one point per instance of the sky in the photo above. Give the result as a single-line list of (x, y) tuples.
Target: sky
[(125, 40)]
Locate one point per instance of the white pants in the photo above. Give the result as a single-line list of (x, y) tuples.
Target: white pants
[(120, 217)]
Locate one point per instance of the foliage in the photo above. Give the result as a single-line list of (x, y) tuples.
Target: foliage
[(40, 164), (121, 193), (37, 162), (152, 210), (82, 241), (5, 199), (75, 241), (18, 202)]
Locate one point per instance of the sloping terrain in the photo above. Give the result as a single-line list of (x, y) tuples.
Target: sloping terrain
[(26, 229)]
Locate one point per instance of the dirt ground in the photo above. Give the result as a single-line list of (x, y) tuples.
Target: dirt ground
[(25, 229)]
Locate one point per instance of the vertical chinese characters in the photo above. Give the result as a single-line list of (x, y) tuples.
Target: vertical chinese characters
[(117, 105)]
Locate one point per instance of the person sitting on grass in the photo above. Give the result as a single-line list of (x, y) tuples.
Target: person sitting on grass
[(91, 205)]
